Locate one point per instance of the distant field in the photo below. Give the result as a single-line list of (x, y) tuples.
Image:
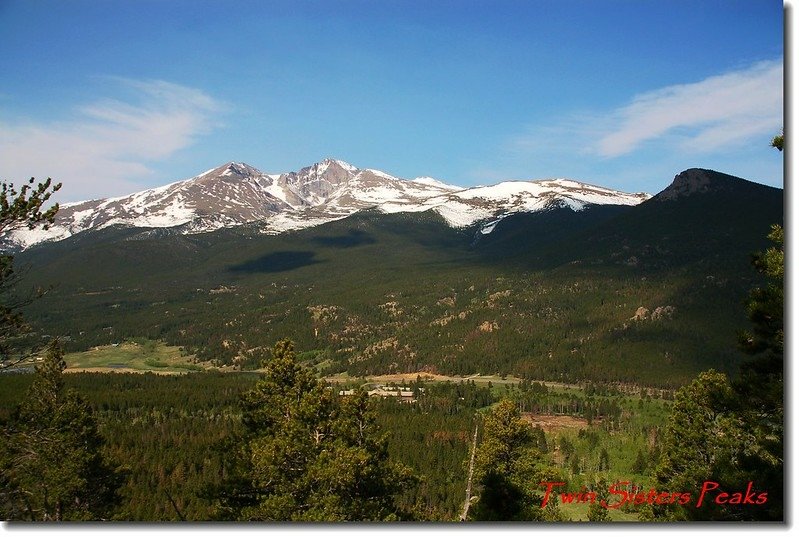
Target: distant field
[(578, 512), (400, 378), (133, 356)]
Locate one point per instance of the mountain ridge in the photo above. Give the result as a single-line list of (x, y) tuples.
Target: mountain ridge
[(237, 193)]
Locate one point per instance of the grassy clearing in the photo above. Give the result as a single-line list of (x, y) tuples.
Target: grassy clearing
[(138, 355), (578, 512)]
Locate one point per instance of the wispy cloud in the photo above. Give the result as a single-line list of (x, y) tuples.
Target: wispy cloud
[(110, 145), (711, 115), (721, 121), (704, 116)]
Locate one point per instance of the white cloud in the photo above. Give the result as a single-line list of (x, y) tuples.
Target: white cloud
[(111, 144), (712, 115), (704, 116), (724, 122)]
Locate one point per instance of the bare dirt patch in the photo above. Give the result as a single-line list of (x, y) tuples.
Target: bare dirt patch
[(554, 423)]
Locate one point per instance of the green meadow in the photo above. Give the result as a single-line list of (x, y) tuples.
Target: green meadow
[(133, 355)]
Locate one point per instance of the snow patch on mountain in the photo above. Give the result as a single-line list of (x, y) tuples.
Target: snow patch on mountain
[(429, 181), (236, 193)]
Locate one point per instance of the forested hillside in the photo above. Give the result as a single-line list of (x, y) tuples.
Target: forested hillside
[(171, 436), (649, 294)]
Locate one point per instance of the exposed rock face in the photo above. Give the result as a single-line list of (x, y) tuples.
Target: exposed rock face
[(663, 312), (235, 194), (699, 181), (660, 312), (488, 326), (315, 184), (687, 183)]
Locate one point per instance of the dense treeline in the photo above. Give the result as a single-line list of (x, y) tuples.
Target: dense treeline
[(171, 436), (164, 431), (433, 437)]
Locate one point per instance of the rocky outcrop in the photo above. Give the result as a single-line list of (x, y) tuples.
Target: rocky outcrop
[(659, 313), (699, 181)]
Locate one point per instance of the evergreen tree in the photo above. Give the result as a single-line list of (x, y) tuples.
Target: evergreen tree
[(765, 306), (509, 468), (51, 462), (604, 461), (552, 512), (760, 385), (307, 455), (597, 512), (640, 464), (540, 439), (23, 207), (778, 141), (701, 444), (19, 208)]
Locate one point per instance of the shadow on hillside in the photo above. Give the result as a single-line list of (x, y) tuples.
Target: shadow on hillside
[(277, 262), (354, 237)]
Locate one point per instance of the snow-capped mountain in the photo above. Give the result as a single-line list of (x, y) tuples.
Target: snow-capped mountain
[(236, 194)]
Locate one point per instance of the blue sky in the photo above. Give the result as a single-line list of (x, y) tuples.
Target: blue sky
[(111, 97)]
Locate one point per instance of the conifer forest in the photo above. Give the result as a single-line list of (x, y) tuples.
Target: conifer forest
[(626, 367)]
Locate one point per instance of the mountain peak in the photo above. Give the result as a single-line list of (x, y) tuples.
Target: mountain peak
[(238, 168), (690, 181), (340, 163), (328, 166), (699, 181), (229, 169)]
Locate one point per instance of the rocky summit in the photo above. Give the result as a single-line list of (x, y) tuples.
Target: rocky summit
[(236, 193)]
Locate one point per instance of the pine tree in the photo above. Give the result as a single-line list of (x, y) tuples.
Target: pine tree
[(509, 468), (699, 436), (51, 463), (711, 436), (765, 306), (597, 512), (640, 464), (307, 455), (23, 207), (778, 141), (604, 461), (19, 208), (760, 385)]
